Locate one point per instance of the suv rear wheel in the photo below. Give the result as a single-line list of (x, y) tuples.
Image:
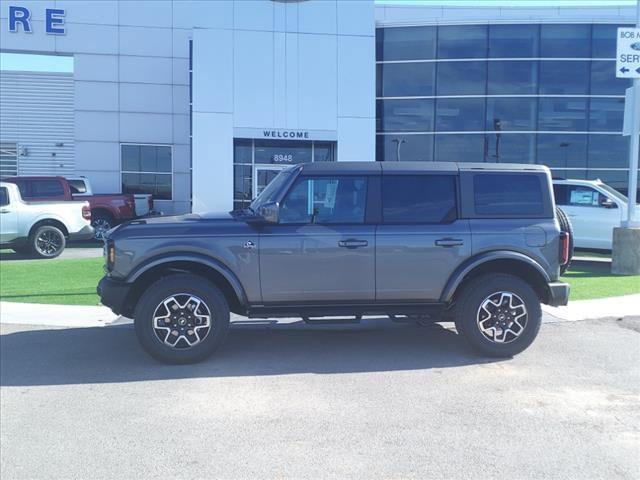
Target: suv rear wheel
[(182, 318), (499, 314)]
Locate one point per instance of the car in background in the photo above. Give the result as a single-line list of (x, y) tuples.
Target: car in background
[(107, 210), (594, 209), (40, 228)]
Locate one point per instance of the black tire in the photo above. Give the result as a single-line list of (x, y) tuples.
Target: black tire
[(468, 311), (101, 222), (565, 226), (47, 241), (181, 286)]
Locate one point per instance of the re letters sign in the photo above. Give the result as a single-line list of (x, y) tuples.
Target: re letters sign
[(628, 53), (20, 20)]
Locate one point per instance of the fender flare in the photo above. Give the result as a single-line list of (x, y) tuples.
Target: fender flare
[(210, 262), (459, 273)]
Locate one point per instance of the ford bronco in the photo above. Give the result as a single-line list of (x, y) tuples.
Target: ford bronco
[(478, 244)]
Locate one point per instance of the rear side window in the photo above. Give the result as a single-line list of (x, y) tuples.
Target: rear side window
[(4, 197), (46, 188), (77, 186), (508, 194), (418, 199), (560, 194)]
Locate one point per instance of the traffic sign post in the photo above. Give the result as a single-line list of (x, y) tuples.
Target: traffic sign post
[(626, 238)]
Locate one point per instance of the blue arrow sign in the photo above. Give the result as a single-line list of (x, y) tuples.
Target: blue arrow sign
[(638, 70), (624, 69)]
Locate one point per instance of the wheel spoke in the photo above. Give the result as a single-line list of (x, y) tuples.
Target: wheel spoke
[(502, 317), (182, 321)]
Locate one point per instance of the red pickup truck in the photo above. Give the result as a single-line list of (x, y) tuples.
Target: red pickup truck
[(107, 210)]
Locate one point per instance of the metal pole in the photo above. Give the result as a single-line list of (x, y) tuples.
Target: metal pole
[(634, 140)]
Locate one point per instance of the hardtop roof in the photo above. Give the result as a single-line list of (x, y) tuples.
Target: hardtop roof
[(373, 168)]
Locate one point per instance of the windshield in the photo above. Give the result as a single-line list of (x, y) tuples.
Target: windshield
[(613, 192), (270, 191)]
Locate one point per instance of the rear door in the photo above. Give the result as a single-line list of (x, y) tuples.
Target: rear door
[(420, 240), (322, 249), (8, 217), (592, 218)]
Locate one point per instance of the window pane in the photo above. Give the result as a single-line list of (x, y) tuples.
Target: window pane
[(323, 152), (163, 187), (604, 41), (462, 78), (514, 41), (406, 79), (511, 113), (148, 159), (468, 41), (604, 81), (562, 114), (77, 186), (507, 194), (282, 151), (560, 194), (131, 158), (4, 196), (242, 182), (418, 199), (411, 115), (241, 151), (459, 148), (157, 185), (562, 151), (606, 114), (511, 148), (405, 43), (608, 151), (164, 159), (517, 77), (459, 114), (564, 78), (407, 148), (325, 200), (565, 41)]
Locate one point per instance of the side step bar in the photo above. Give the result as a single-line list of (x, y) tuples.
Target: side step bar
[(332, 320)]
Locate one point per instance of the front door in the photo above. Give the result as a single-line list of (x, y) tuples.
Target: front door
[(321, 249), (263, 174)]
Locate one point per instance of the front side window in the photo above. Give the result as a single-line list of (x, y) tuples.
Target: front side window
[(581, 196), (325, 200), (147, 169), (4, 197), (77, 186), (418, 199), (507, 194)]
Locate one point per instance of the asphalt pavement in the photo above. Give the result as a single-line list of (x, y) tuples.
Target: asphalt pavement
[(279, 401)]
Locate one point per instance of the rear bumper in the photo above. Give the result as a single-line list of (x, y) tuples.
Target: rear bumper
[(558, 293), (85, 234), (113, 294)]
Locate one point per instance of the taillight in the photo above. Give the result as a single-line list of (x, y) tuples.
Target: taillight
[(86, 213), (564, 248)]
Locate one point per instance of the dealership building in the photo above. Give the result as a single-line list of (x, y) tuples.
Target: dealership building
[(202, 102)]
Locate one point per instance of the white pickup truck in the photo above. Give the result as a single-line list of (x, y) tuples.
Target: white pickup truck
[(40, 228)]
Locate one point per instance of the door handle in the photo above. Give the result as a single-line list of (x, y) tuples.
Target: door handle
[(352, 243), (449, 242)]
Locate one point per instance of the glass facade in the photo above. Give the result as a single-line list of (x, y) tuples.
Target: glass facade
[(523, 93)]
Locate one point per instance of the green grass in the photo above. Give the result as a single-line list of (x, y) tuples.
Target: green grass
[(63, 282), (594, 280), (73, 282)]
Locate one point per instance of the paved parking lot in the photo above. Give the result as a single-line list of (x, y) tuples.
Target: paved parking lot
[(278, 401)]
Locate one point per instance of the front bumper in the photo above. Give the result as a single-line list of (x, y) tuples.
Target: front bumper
[(113, 294), (84, 234), (558, 293)]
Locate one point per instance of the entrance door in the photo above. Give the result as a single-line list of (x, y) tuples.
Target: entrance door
[(263, 174)]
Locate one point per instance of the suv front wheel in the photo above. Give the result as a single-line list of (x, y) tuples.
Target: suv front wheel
[(499, 314), (182, 318)]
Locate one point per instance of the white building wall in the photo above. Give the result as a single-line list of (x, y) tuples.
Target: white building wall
[(280, 65), (36, 113)]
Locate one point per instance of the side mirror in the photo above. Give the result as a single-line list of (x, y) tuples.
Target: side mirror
[(270, 212), (608, 203)]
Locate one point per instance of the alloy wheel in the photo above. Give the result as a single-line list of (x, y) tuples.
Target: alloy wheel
[(48, 243), (502, 317), (100, 228), (182, 321)]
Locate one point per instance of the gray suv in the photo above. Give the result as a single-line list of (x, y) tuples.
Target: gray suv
[(477, 244)]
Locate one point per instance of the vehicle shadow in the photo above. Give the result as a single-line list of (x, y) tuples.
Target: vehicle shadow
[(111, 355)]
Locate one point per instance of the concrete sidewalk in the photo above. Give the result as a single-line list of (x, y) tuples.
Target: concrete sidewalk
[(99, 316)]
